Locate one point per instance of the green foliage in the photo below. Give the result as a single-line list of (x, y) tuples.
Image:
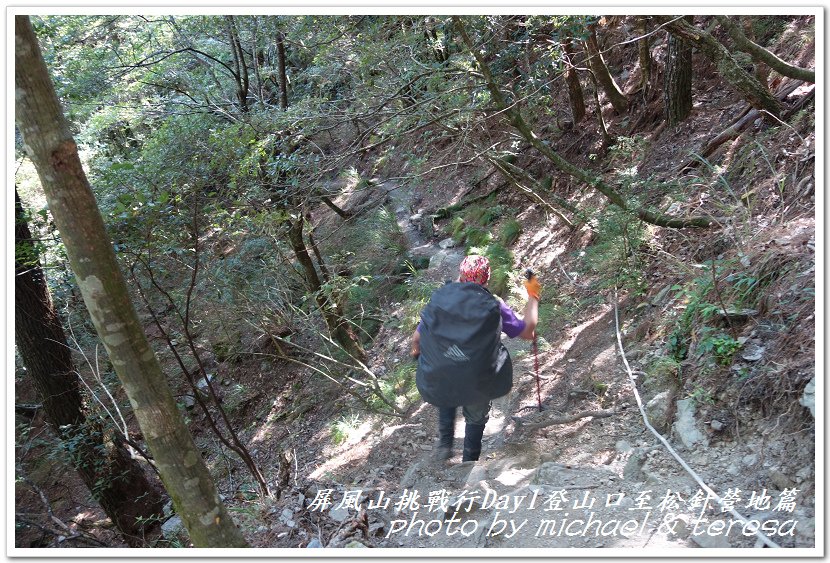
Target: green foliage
[(664, 372), (398, 388), (477, 236), (722, 346), (415, 292), (344, 427), (501, 265), (457, 229), (510, 232), (701, 396), (615, 255)]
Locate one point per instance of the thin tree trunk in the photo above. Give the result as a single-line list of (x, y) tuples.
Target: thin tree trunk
[(595, 182), (239, 64), (761, 55), (115, 480), (677, 92), (729, 69), (606, 137), (255, 60), (575, 94), (281, 71), (53, 151), (643, 51), (602, 74), (337, 325)]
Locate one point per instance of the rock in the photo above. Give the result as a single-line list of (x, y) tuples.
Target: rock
[(189, 401), (733, 469), (717, 425), (437, 259), (653, 479), (806, 531), (753, 352), (780, 480), (354, 544), (623, 447), (167, 510), (286, 515), (707, 541), (805, 473), (685, 426), (808, 399), (750, 459), (682, 527), (427, 226), (173, 529), (314, 543), (633, 470), (658, 410), (408, 478), (475, 477), (447, 243), (339, 514)]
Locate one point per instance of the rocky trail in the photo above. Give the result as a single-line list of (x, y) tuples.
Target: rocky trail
[(560, 478)]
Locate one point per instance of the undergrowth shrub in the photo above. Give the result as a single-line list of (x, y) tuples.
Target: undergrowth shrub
[(615, 255)]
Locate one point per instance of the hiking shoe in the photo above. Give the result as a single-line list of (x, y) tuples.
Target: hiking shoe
[(442, 453)]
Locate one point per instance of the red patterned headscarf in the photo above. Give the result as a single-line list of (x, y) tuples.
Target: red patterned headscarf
[(475, 268)]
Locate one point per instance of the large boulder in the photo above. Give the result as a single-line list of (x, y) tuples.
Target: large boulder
[(685, 425)]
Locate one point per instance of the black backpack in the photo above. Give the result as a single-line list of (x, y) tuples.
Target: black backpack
[(462, 361)]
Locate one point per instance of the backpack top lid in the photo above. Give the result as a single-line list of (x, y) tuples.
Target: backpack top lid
[(462, 359), (459, 307)]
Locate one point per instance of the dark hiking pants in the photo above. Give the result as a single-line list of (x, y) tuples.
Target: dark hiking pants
[(476, 416)]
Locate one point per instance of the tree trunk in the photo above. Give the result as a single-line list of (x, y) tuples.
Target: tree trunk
[(281, 71), (590, 179), (575, 94), (239, 64), (53, 151), (602, 74), (643, 51), (115, 480), (761, 55), (607, 141), (677, 91), (255, 60), (729, 69), (332, 314)]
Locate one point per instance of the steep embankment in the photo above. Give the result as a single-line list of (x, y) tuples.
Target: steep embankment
[(550, 479)]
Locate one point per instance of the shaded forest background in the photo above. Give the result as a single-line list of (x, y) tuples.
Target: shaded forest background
[(275, 189)]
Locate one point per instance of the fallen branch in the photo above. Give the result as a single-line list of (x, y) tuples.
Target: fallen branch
[(561, 419), (741, 123)]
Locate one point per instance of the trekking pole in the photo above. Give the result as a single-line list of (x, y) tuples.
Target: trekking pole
[(529, 275)]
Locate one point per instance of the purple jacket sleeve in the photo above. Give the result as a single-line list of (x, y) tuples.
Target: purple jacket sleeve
[(511, 325)]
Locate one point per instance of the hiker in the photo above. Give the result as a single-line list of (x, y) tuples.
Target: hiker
[(461, 359)]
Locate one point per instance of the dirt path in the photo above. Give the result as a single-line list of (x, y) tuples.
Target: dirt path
[(593, 483)]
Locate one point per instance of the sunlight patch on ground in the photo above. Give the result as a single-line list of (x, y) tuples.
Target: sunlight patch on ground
[(574, 333), (512, 477)]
